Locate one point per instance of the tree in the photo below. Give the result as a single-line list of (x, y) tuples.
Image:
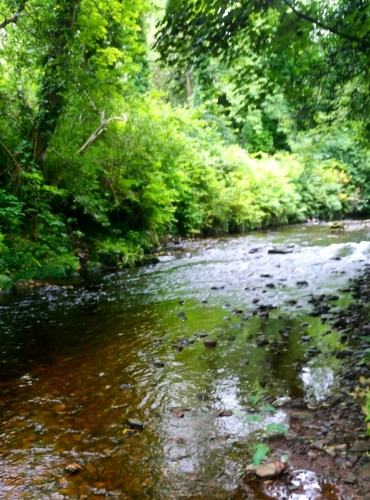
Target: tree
[(317, 52), (56, 52)]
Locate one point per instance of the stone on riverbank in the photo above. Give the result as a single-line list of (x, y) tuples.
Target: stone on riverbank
[(267, 471), (301, 415)]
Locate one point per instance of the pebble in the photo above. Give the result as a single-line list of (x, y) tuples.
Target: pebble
[(330, 451), (317, 445), (210, 342), (301, 415), (360, 446), (349, 478)]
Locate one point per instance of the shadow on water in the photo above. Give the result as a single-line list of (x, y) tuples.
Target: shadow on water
[(68, 348)]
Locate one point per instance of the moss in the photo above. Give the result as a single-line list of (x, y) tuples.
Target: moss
[(5, 283)]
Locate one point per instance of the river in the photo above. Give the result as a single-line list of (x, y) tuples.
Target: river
[(68, 347)]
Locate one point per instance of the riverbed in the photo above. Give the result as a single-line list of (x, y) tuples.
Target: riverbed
[(82, 357)]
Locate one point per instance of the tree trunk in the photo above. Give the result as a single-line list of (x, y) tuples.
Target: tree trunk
[(56, 77)]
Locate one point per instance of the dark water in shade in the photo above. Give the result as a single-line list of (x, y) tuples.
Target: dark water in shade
[(68, 347)]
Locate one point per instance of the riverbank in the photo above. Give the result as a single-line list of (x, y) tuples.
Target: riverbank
[(331, 439)]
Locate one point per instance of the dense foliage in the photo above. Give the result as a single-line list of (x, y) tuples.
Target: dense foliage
[(105, 151)]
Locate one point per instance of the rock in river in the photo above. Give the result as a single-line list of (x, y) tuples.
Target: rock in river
[(302, 284), (224, 413), (177, 413), (126, 387), (262, 341), (243, 362), (280, 250), (157, 364), (210, 343), (72, 469), (134, 423)]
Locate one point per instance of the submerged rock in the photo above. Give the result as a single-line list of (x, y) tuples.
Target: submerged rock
[(157, 364), (224, 413), (72, 469), (262, 341), (243, 362), (210, 342), (126, 387)]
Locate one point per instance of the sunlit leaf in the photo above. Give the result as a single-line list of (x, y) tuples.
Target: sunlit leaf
[(260, 453)]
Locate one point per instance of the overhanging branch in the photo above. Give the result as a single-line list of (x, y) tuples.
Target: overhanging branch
[(15, 17), (332, 29)]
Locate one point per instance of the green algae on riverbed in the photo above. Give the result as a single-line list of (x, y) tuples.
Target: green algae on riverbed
[(69, 347)]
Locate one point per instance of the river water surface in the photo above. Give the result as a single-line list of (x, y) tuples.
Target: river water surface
[(68, 347)]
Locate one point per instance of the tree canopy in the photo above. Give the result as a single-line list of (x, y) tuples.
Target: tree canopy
[(318, 52)]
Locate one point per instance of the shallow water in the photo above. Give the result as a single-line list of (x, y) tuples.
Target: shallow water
[(69, 346)]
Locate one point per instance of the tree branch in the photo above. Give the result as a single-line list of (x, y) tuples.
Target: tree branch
[(326, 27), (14, 18), (102, 127), (12, 157)]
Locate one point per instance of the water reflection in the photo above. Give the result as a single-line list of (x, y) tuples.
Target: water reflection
[(318, 382)]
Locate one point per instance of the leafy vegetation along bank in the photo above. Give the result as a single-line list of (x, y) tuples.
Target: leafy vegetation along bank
[(116, 130)]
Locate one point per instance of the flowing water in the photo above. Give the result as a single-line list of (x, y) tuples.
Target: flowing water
[(68, 347)]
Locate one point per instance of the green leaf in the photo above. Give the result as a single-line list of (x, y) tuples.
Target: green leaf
[(276, 428), (285, 458), (240, 474), (260, 453), (254, 399)]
